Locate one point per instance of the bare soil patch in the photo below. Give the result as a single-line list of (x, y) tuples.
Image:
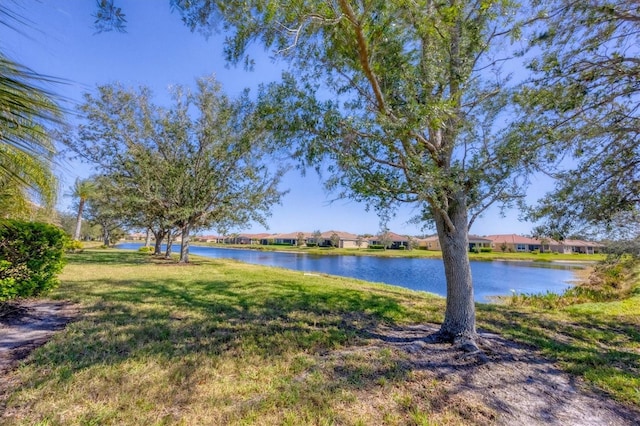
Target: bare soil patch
[(505, 384), (28, 324)]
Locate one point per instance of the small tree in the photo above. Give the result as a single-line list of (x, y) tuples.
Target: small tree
[(82, 190), (359, 241), (335, 240), (412, 243), (317, 237), (300, 239), (385, 239)]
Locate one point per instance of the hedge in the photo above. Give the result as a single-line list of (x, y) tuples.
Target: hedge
[(31, 255)]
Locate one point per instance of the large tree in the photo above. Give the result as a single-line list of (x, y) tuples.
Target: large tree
[(197, 164), (402, 99), (582, 103)]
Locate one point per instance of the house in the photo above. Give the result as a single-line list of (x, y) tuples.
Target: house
[(393, 240), (477, 243), (575, 246), (344, 239), (514, 243), (253, 238), (136, 236), (429, 243), (208, 239), (289, 238), (518, 243)]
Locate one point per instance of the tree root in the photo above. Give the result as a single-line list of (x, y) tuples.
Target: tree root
[(466, 344)]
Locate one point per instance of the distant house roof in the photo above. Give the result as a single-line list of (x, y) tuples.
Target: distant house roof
[(343, 235), (511, 239), (254, 236), (394, 237), (476, 239), (290, 235), (208, 237)]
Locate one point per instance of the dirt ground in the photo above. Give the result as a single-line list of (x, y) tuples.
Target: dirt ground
[(507, 383), (25, 326)]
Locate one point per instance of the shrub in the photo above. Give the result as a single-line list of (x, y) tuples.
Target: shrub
[(146, 249), (486, 249), (73, 246), (377, 246), (31, 254)]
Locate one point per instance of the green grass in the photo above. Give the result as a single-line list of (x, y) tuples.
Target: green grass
[(214, 342), (222, 342), (593, 330)]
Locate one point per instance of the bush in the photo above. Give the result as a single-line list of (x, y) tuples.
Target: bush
[(377, 246), (148, 249), (73, 246), (31, 254), (486, 249)]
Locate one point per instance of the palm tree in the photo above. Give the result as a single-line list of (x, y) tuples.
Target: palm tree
[(82, 190), (20, 174), (26, 149)]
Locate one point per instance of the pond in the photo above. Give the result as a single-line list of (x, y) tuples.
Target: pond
[(489, 278)]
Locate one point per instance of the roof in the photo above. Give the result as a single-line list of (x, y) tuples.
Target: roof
[(393, 236), (256, 236), (343, 235), (477, 239), (290, 235), (512, 239)]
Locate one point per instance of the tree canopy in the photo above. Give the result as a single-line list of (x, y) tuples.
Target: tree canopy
[(582, 103), (197, 164)]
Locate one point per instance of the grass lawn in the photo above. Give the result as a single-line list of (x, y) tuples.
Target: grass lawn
[(222, 342)]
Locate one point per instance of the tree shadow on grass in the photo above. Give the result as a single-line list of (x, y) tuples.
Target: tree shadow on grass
[(108, 256), (166, 319), (335, 341)]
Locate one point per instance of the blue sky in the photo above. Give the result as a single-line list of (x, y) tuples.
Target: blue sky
[(158, 51)]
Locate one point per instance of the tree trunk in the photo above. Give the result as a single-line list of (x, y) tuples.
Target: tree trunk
[(170, 238), (76, 234), (159, 236), (147, 239), (184, 246), (460, 318), (105, 236)]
